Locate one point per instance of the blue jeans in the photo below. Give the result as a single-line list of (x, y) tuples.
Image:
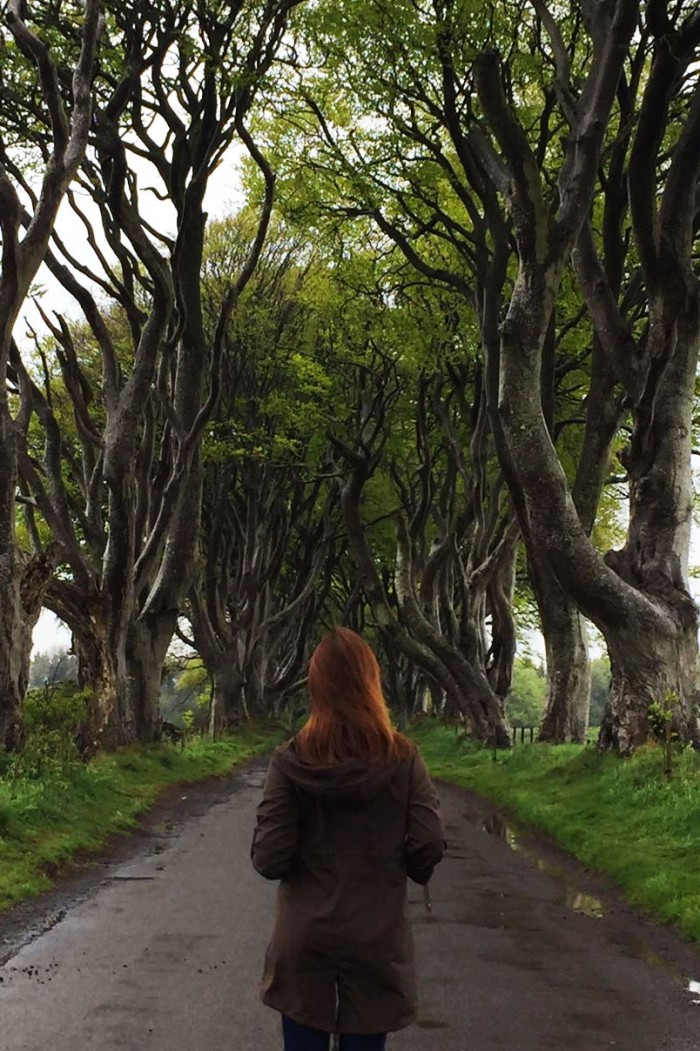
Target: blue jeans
[(303, 1038)]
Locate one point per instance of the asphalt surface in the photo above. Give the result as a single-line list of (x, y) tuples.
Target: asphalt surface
[(159, 946)]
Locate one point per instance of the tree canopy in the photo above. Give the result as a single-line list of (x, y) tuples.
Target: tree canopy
[(434, 378)]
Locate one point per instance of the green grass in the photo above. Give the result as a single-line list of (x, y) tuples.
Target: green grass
[(70, 808), (617, 816)]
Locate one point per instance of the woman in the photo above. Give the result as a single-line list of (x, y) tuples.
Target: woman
[(348, 812)]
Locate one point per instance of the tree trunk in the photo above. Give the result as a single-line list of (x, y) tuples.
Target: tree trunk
[(255, 681), (97, 674), (12, 636), (653, 656), (12, 679), (100, 671), (146, 647), (567, 703), (27, 587), (225, 712), (465, 682), (499, 594), (650, 667), (643, 609), (466, 688)]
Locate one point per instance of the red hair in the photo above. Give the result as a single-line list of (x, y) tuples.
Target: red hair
[(349, 715)]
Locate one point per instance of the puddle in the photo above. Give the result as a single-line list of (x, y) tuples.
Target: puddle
[(586, 904), (131, 879), (574, 898), (640, 951), (253, 778)]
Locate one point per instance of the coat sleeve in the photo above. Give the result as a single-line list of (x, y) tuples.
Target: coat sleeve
[(425, 836), (276, 828)]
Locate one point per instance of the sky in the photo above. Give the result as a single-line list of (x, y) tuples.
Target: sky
[(50, 634)]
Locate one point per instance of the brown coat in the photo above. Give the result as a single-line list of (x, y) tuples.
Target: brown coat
[(342, 841)]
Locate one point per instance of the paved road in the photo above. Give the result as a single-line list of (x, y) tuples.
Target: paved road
[(163, 954)]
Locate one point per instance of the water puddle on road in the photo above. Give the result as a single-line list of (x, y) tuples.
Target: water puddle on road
[(586, 904), (495, 824), (130, 879), (253, 778), (576, 899)]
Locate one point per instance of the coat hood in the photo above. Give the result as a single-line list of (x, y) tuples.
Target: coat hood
[(352, 783)]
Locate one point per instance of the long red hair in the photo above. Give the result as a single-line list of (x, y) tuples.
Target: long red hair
[(349, 715)]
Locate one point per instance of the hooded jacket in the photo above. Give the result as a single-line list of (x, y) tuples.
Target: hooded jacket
[(342, 840)]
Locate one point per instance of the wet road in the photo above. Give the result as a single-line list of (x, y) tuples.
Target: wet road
[(523, 951)]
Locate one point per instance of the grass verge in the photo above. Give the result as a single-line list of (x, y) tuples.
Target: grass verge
[(617, 816), (70, 808)]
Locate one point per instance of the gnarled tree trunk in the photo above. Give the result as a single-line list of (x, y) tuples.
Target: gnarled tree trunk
[(650, 664), (96, 647), (466, 686), (228, 706), (146, 647), (567, 703)]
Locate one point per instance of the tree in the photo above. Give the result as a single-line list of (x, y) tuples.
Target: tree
[(179, 91), (638, 597), (68, 128), (416, 172), (451, 554), (268, 517), (462, 163)]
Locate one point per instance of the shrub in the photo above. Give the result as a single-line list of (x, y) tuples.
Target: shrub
[(51, 719)]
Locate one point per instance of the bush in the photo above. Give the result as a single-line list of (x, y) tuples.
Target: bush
[(51, 718)]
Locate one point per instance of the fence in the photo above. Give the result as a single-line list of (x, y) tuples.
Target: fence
[(523, 731)]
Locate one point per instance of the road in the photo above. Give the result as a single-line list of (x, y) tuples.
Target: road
[(160, 947)]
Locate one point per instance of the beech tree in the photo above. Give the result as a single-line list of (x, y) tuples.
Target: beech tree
[(444, 590), (638, 597), (177, 94), (414, 172), (268, 539), (637, 269), (25, 237), (482, 165), (442, 564)]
